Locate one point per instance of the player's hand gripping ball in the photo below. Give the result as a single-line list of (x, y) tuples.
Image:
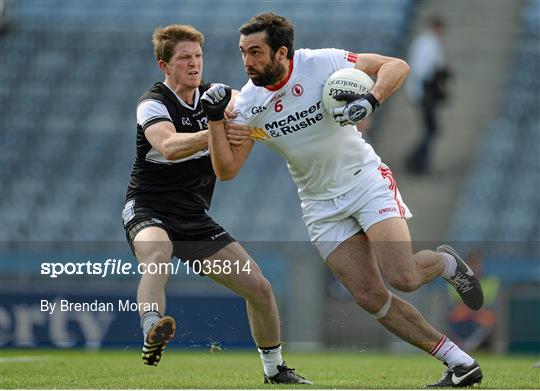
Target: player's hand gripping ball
[(346, 96)]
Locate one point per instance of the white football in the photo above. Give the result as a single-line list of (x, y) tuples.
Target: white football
[(345, 80)]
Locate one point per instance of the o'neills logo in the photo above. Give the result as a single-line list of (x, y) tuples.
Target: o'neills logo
[(386, 210)]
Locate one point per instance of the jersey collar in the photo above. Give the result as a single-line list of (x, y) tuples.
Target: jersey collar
[(284, 81), (181, 101)]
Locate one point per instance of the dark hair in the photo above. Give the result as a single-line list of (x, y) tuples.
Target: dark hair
[(279, 31)]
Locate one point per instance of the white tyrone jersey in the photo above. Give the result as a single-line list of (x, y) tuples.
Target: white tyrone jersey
[(324, 158)]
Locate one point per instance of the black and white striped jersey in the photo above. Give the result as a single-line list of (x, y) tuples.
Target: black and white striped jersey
[(184, 185)]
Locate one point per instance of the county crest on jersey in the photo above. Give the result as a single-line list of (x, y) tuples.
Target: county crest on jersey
[(323, 157)]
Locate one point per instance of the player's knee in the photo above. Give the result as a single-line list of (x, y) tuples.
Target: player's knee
[(370, 301), (153, 251), (155, 265), (404, 282), (260, 291), (265, 289), (156, 257)]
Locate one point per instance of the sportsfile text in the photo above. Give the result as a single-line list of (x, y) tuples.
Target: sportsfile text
[(111, 267), (103, 269)]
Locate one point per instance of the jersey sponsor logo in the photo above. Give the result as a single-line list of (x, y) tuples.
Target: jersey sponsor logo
[(387, 210), (186, 121), (257, 109), (258, 134), (297, 90), (351, 57), (294, 122)]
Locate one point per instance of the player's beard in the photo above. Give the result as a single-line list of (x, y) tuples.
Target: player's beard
[(270, 75)]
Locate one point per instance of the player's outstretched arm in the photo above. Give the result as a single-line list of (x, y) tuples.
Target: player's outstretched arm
[(173, 146), (391, 72), (226, 159)]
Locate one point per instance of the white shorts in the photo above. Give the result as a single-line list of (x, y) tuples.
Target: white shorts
[(376, 198)]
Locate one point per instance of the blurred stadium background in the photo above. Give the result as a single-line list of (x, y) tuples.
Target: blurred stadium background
[(70, 76)]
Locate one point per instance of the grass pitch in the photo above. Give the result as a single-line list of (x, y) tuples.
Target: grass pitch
[(242, 369)]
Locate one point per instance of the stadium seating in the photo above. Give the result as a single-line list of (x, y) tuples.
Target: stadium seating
[(501, 201), (75, 72)]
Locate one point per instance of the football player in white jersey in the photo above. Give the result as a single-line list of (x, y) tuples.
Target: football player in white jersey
[(350, 202)]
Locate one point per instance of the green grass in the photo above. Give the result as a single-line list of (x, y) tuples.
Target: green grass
[(231, 369)]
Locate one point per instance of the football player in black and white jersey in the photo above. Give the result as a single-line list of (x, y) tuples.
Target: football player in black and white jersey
[(352, 208), (169, 192)]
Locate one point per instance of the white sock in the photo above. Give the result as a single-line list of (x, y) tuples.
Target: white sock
[(450, 354), (148, 319), (271, 358), (450, 265)]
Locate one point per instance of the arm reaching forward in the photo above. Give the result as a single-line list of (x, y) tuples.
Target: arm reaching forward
[(163, 137), (159, 130), (227, 159)]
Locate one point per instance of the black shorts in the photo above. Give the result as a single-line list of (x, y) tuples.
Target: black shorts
[(194, 236)]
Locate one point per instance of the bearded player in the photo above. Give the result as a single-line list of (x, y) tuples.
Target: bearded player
[(352, 208)]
